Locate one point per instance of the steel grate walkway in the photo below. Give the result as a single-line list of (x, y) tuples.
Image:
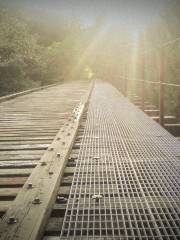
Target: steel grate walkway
[(126, 183)]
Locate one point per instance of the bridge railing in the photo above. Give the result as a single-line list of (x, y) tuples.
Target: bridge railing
[(161, 83)]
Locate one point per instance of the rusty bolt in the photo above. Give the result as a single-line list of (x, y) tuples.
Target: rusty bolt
[(12, 220), (29, 186), (36, 200), (43, 164)]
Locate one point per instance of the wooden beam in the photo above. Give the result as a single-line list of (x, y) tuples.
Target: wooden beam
[(14, 95), (33, 204)]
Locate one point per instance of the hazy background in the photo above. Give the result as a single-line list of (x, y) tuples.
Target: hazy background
[(43, 42), (127, 13)]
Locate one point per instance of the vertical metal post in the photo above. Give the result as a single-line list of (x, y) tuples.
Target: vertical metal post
[(142, 71), (161, 89)]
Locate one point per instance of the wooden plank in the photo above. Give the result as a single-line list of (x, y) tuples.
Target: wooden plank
[(54, 225), (24, 139), (24, 142), (54, 238), (32, 157), (167, 119), (45, 180), (12, 181), (21, 172), (174, 129), (69, 170), (20, 152), (12, 192), (23, 147), (4, 205), (152, 112), (14, 95), (18, 164)]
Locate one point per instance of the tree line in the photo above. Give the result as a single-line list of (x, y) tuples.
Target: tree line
[(35, 53)]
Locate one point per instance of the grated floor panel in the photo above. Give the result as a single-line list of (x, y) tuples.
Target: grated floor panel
[(126, 183)]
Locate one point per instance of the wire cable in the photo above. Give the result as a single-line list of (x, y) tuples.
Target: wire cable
[(152, 82), (161, 46)]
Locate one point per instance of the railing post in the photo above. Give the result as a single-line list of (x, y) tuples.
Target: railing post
[(161, 89)]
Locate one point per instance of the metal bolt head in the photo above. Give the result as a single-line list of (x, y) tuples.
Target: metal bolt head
[(36, 200), (58, 155), (43, 164), (30, 185), (97, 197), (71, 164), (12, 220), (61, 199)]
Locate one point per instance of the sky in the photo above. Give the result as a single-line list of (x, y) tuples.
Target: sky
[(125, 13)]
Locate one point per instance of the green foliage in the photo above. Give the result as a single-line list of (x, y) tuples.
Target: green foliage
[(32, 54), (18, 51)]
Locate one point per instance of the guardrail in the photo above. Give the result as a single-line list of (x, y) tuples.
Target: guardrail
[(161, 82)]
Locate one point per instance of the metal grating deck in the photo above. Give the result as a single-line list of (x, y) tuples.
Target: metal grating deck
[(126, 183)]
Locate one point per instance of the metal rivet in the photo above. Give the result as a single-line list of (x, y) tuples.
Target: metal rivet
[(30, 185), (43, 164), (12, 220), (60, 199), (58, 155), (36, 201)]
